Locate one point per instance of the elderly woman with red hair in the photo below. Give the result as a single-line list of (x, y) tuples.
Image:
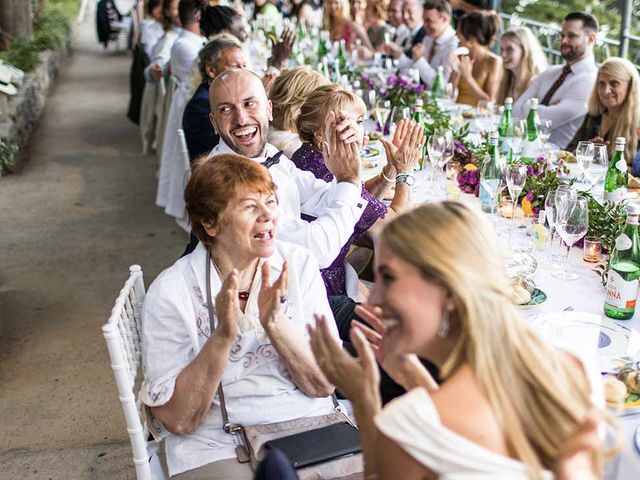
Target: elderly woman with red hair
[(262, 294)]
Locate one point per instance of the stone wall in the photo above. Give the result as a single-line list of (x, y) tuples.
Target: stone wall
[(19, 114)]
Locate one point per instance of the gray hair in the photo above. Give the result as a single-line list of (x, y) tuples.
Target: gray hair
[(210, 53)]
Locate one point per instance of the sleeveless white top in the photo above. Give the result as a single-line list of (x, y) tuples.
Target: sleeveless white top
[(413, 422)]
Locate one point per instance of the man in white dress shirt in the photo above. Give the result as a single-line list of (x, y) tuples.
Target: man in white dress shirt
[(171, 177), (240, 114), (439, 41), (563, 90)]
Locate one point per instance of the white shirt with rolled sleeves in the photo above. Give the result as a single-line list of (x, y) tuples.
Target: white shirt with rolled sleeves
[(445, 44), (336, 206), (568, 106), (257, 386), (161, 54), (150, 32)]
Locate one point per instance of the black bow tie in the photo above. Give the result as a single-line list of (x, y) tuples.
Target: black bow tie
[(273, 160)]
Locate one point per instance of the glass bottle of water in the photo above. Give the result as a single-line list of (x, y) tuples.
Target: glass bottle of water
[(624, 270), (491, 176), (617, 178)]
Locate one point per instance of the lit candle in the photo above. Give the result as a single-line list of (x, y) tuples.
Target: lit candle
[(592, 249)]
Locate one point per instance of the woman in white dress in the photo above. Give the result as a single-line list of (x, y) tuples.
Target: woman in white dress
[(264, 292), (509, 406)]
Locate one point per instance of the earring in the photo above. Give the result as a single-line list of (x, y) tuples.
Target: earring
[(443, 329)]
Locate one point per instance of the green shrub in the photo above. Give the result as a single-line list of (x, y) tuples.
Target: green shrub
[(7, 153), (22, 54)]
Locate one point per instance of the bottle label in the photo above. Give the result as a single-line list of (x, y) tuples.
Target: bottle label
[(621, 293), (616, 195), (621, 165), (623, 242)]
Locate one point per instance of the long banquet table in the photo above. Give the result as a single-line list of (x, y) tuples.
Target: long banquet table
[(583, 295)]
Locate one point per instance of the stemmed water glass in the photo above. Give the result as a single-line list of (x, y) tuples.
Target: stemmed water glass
[(383, 112), (572, 224), (515, 137), (516, 177), (596, 169), (544, 132), (436, 148), (484, 115), (584, 155)]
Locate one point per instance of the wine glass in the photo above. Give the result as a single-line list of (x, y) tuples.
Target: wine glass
[(516, 174), (584, 155), (596, 169), (544, 132), (484, 115), (515, 137), (436, 146), (571, 229), (383, 112)]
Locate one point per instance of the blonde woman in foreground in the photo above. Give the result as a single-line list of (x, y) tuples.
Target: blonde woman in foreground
[(510, 406)]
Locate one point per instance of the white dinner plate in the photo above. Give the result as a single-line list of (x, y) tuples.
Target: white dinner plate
[(590, 335)]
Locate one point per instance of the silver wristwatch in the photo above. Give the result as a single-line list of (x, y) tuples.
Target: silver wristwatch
[(406, 177)]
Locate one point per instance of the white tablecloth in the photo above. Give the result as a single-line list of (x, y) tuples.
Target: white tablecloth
[(583, 295)]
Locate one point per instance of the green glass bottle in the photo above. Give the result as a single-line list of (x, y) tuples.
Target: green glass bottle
[(531, 144), (323, 47), (437, 88), (624, 270), (506, 128), (342, 56), (617, 178), (419, 117)]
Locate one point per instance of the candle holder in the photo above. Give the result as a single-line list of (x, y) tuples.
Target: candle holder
[(592, 249)]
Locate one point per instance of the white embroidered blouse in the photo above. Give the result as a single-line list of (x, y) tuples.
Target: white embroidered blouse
[(257, 386)]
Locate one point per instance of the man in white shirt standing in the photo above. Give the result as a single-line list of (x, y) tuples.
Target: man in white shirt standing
[(440, 40), (563, 90), (240, 114), (412, 15)]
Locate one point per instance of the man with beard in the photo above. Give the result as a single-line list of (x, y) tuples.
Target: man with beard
[(240, 115), (563, 90), (224, 51)]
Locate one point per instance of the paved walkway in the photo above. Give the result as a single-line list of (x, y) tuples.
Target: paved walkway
[(71, 223)]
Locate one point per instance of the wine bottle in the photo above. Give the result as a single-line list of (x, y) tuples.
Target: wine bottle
[(617, 178), (506, 128), (531, 144), (624, 270), (437, 90), (490, 176), (342, 56), (418, 117)]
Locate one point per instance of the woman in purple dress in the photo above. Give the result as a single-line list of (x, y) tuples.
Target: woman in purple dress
[(402, 154)]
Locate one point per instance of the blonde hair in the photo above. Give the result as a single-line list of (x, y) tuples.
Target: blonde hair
[(345, 15), (533, 62), (628, 120), (289, 91), (535, 392), (314, 111)]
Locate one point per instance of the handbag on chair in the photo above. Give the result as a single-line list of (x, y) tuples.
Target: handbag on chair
[(321, 448)]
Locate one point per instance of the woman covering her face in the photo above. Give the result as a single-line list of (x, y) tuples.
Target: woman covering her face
[(509, 406), (522, 60), (403, 153), (614, 108), (264, 294)]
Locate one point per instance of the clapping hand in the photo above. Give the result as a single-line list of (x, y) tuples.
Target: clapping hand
[(576, 459), (281, 51), (406, 147), (405, 369), (272, 297), (454, 62), (466, 67), (356, 378), (392, 49), (417, 51), (228, 307), (340, 149)]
